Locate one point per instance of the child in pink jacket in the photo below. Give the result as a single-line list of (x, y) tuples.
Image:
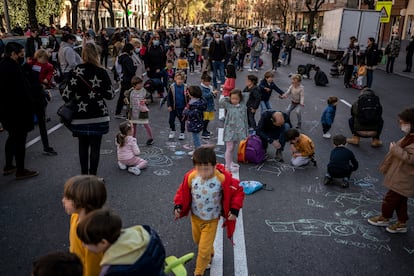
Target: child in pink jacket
[(230, 82)]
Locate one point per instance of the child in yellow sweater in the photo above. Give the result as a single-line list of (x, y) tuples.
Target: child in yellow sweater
[(362, 73), (81, 195), (302, 147), (182, 63)]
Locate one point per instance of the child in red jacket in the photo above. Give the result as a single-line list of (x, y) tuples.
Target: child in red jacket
[(208, 191), (40, 63), (230, 82)]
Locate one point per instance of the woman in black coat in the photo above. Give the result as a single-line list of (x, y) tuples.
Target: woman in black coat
[(409, 56)]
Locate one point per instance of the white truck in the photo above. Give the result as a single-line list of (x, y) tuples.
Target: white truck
[(340, 24)]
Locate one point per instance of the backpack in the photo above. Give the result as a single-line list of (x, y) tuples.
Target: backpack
[(369, 109), (320, 78), (258, 47), (251, 150), (379, 55)]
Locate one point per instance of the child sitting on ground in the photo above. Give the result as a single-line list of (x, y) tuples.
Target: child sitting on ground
[(136, 250), (302, 147), (128, 150), (342, 162)]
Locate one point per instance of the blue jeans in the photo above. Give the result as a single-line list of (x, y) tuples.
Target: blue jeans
[(370, 77), (264, 105), (218, 71), (196, 140), (254, 60)]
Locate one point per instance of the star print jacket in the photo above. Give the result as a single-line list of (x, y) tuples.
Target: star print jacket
[(232, 198), (89, 93)]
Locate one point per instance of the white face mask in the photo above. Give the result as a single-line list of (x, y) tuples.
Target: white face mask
[(406, 128)]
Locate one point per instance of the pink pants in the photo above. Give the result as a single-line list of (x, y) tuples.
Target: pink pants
[(136, 162), (147, 128)]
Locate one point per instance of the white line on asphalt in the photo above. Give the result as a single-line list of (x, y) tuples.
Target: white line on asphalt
[(217, 264), (220, 133), (37, 139), (346, 103)]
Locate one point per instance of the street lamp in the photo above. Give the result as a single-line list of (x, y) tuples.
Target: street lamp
[(75, 4)]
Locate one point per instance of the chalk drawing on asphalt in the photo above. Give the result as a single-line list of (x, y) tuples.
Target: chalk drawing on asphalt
[(156, 157), (273, 167), (161, 172)]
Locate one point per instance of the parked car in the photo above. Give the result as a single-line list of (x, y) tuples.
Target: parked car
[(306, 43), (298, 36)]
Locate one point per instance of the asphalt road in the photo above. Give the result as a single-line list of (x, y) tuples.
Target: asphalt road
[(300, 228)]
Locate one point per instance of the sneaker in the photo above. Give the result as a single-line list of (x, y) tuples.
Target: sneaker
[(205, 135), (23, 174), (9, 170), (134, 170), (190, 153), (171, 135), (182, 136), (122, 166), (150, 142), (327, 135), (49, 151), (345, 182), (250, 70), (398, 227), (327, 180), (256, 70), (379, 221), (120, 116), (279, 155)]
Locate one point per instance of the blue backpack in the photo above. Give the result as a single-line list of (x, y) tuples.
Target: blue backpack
[(254, 152)]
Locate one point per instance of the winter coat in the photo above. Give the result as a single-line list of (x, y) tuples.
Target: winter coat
[(232, 199), (253, 52), (217, 51), (16, 102), (267, 131), (371, 55), (68, 58), (265, 95), (328, 115), (31, 46), (197, 45), (208, 96), (229, 84), (398, 169), (155, 59), (128, 68), (194, 114), (254, 97), (139, 64), (137, 251), (171, 101), (393, 48)]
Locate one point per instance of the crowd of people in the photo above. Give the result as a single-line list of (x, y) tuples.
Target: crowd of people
[(146, 64)]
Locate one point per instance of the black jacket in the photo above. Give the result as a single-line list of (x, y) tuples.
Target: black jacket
[(16, 102), (128, 68), (254, 97), (217, 51), (267, 131), (155, 59), (30, 45)]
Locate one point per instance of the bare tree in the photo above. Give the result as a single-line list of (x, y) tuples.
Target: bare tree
[(284, 7), (108, 5), (158, 6), (124, 6), (96, 14), (313, 7)]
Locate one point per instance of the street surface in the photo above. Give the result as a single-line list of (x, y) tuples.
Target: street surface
[(300, 228)]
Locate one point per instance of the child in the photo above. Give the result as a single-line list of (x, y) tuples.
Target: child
[(176, 102), (169, 74), (297, 93), (208, 95), (302, 148), (81, 195), (208, 191), (253, 101), (191, 59), (40, 63), (128, 150), (182, 63), (235, 124), (266, 87), (362, 73), (57, 264), (194, 114), (136, 100), (171, 55), (136, 250), (342, 162), (230, 82), (328, 116)]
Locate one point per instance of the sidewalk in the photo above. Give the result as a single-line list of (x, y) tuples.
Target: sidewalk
[(399, 64)]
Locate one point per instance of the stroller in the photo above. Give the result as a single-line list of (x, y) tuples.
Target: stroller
[(337, 69)]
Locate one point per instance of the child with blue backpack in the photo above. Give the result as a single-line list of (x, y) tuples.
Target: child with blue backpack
[(235, 124), (208, 94)]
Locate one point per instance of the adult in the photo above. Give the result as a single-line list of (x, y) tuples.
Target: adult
[(208, 38), (16, 110), (398, 170), (88, 88), (117, 40), (290, 44), (68, 58), (366, 118), (217, 55), (197, 43), (229, 42), (242, 49), (136, 58), (255, 51), (33, 43), (271, 130), (128, 71), (350, 60), (276, 47), (371, 59), (392, 51), (409, 56), (103, 41), (155, 60)]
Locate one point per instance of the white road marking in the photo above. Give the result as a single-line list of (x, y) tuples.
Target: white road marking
[(217, 264), (346, 103), (37, 139), (220, 133)]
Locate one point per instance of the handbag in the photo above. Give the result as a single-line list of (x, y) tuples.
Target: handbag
[(66, 111)]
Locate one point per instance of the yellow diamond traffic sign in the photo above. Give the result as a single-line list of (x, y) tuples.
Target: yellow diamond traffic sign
[(384, 7)]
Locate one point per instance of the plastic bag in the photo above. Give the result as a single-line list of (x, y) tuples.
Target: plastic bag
[(251, 186)]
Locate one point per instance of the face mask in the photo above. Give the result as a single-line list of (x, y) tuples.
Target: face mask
[(20, 60), (406, 128), (156, 42), (137, 50)]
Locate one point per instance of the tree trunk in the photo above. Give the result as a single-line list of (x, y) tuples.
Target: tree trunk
[(6, 16), (126, 17), (312, 15), (31, 10), (74, 15), (97, 19)]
